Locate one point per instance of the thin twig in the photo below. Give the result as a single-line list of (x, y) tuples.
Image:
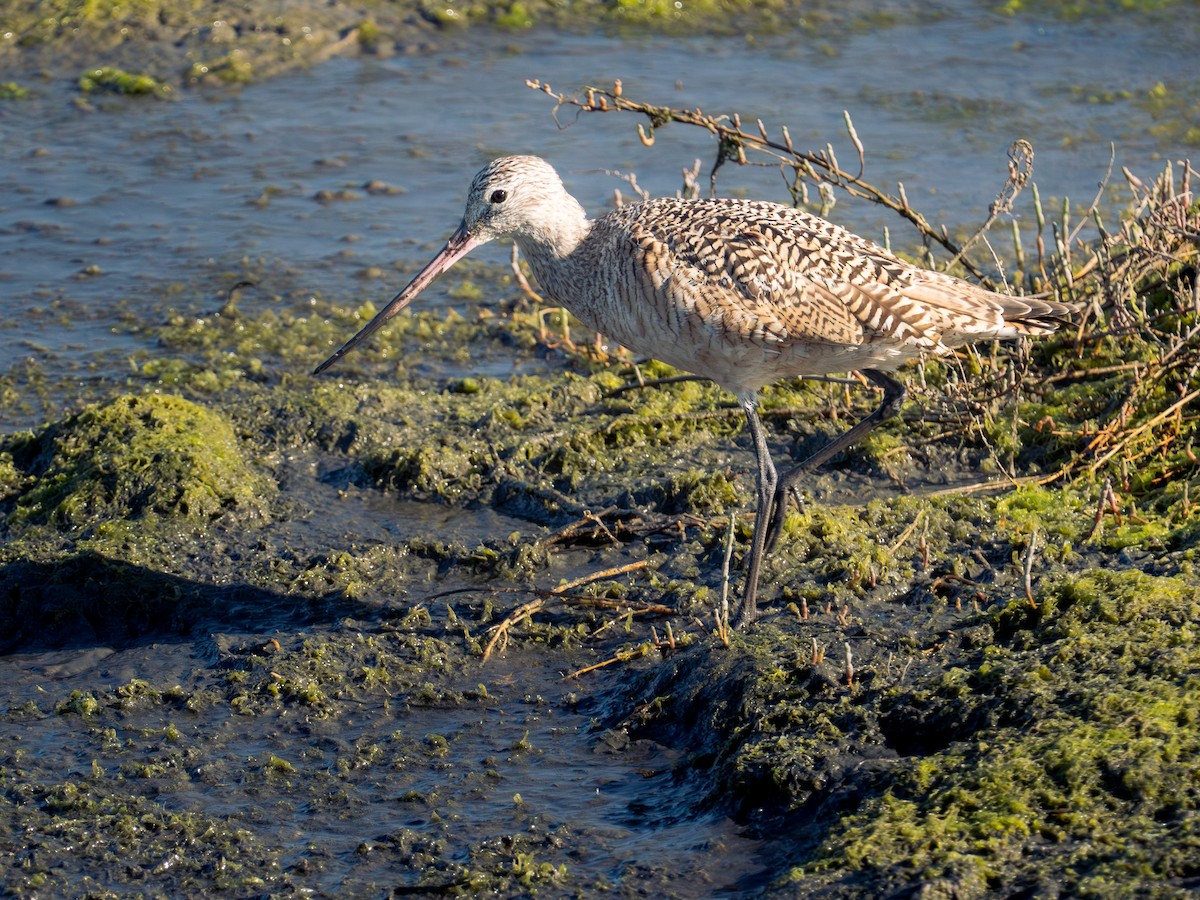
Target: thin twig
[(1029, 567), (596, 576), (522, 281), (722, 613), (500, 631), (1020, 169)]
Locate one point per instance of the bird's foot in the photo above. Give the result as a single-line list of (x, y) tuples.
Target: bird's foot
[(746, 616)]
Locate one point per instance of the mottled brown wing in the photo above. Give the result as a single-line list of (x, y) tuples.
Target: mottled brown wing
[(737, 280), (780, 275), (922, 309), (890, 300), (895, 301)]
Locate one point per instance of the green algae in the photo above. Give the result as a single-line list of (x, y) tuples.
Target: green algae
[(1177, 109), (322, 674), (148, 742), (235, 67), (989, 768), (450, 441), (943, 650), (117, 81), (12, 479), (216, 351), (722, 16), (1086, 706), (234, 42), (200, 852), (135, 457), (1073, 10)]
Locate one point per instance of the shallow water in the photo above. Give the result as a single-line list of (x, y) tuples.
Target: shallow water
[(524, 763), (112, 214)]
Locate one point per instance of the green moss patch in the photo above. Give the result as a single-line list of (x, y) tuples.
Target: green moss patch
[(107, 78), (1087, 706), (1026, 749), (136, 456)]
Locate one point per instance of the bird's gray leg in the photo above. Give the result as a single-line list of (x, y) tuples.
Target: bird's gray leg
[(894, 395), (768, 494)]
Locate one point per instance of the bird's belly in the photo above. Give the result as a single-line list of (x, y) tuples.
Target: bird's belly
[(667, 326), (746, 368), (743, 364)]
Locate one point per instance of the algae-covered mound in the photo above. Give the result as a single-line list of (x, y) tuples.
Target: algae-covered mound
[(134, 457), (1086, 708), (1039, 749)]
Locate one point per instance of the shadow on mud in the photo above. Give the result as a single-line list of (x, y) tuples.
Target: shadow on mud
[(88, 598)]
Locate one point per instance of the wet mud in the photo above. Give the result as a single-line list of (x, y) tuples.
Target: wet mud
[(222, 679)]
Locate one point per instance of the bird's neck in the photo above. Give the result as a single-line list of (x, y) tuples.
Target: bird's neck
[(557, 235)]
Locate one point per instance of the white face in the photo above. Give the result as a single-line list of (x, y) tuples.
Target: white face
[(511, 195)]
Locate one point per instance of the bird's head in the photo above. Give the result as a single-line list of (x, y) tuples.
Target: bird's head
[(514, 196)]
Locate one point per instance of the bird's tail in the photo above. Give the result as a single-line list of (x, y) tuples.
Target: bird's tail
[(1023, 315)]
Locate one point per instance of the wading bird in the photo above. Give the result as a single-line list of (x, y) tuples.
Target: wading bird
[(739, 291)]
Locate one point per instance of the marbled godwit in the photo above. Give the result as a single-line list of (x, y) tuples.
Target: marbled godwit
[(742, 292)]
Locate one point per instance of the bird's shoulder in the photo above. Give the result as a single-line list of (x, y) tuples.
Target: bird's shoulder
[(758, 246)]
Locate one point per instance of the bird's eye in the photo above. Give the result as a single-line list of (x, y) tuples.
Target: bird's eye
[(499, 196)]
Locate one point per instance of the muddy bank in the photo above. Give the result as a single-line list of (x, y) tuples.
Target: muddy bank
[(224, 680), (160, 46)]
